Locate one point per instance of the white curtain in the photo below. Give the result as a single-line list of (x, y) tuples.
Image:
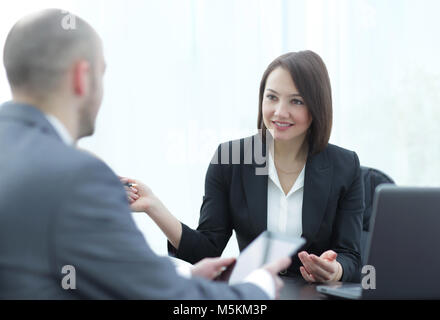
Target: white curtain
[(183, 76)]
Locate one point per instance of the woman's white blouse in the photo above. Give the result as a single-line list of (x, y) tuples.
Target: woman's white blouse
[(284, 212)]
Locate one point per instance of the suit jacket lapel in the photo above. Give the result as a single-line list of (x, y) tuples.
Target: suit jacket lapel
[(255, 189), (317, 186), (255, 179)]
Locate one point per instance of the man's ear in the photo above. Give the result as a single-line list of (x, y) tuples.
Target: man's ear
[(81, 71)]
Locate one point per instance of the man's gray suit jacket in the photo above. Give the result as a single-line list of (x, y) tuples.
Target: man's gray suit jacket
[(63, 207)]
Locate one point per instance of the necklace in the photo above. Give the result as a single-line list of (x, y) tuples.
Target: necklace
[(288, 172)]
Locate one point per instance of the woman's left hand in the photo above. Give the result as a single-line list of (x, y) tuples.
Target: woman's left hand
[(320, 269)]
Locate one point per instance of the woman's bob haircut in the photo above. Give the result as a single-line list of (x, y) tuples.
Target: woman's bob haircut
[(311, 78)]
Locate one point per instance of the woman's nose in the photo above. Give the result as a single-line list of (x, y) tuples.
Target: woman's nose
[(281, 110)]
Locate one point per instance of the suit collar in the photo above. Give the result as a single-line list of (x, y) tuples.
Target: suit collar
[(317, 187), (29, 115), (61, 129), (255, 179), (255, 189)]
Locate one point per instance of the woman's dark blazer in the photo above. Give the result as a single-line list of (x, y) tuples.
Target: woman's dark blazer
[(236, 199)]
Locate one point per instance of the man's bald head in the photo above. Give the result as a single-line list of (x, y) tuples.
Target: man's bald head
[(40, 48), (54, 61)]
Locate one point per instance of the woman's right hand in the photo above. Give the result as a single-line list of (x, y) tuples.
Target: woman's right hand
[(142, 199), (140, 196)]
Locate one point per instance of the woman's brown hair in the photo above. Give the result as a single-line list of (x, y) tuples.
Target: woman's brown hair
[(311, 78)]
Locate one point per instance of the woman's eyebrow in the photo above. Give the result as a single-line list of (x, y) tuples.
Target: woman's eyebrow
[(292, 95)]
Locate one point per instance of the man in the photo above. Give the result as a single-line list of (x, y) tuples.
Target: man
[(64, 213)]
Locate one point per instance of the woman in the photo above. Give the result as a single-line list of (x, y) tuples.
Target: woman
[(310, 188)]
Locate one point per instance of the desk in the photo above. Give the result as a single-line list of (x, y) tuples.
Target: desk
[(296, 288)]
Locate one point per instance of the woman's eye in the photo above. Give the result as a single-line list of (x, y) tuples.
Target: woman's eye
[(271, 97), (296, 101)]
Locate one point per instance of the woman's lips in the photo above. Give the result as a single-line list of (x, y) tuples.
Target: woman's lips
[(282, 126)]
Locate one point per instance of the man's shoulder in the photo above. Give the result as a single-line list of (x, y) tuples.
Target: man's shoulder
[(83, 166), (82, 160), (63, 164)]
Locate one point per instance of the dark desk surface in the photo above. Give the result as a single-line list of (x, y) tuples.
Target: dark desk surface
[(298, 289)]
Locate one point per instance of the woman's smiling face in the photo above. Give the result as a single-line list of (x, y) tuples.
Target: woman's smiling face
[(285, 114)]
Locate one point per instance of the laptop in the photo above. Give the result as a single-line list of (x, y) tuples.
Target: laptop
[(403, 249)]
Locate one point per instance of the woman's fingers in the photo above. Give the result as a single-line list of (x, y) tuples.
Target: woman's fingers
[(303, 256), (132, 196), (312, 266), (305, 274), (323, 264), (329, 255), (308, 277), (131, 189), (319, 273), (125, 180)]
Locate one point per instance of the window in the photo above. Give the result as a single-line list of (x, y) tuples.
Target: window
[(183, 76)]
